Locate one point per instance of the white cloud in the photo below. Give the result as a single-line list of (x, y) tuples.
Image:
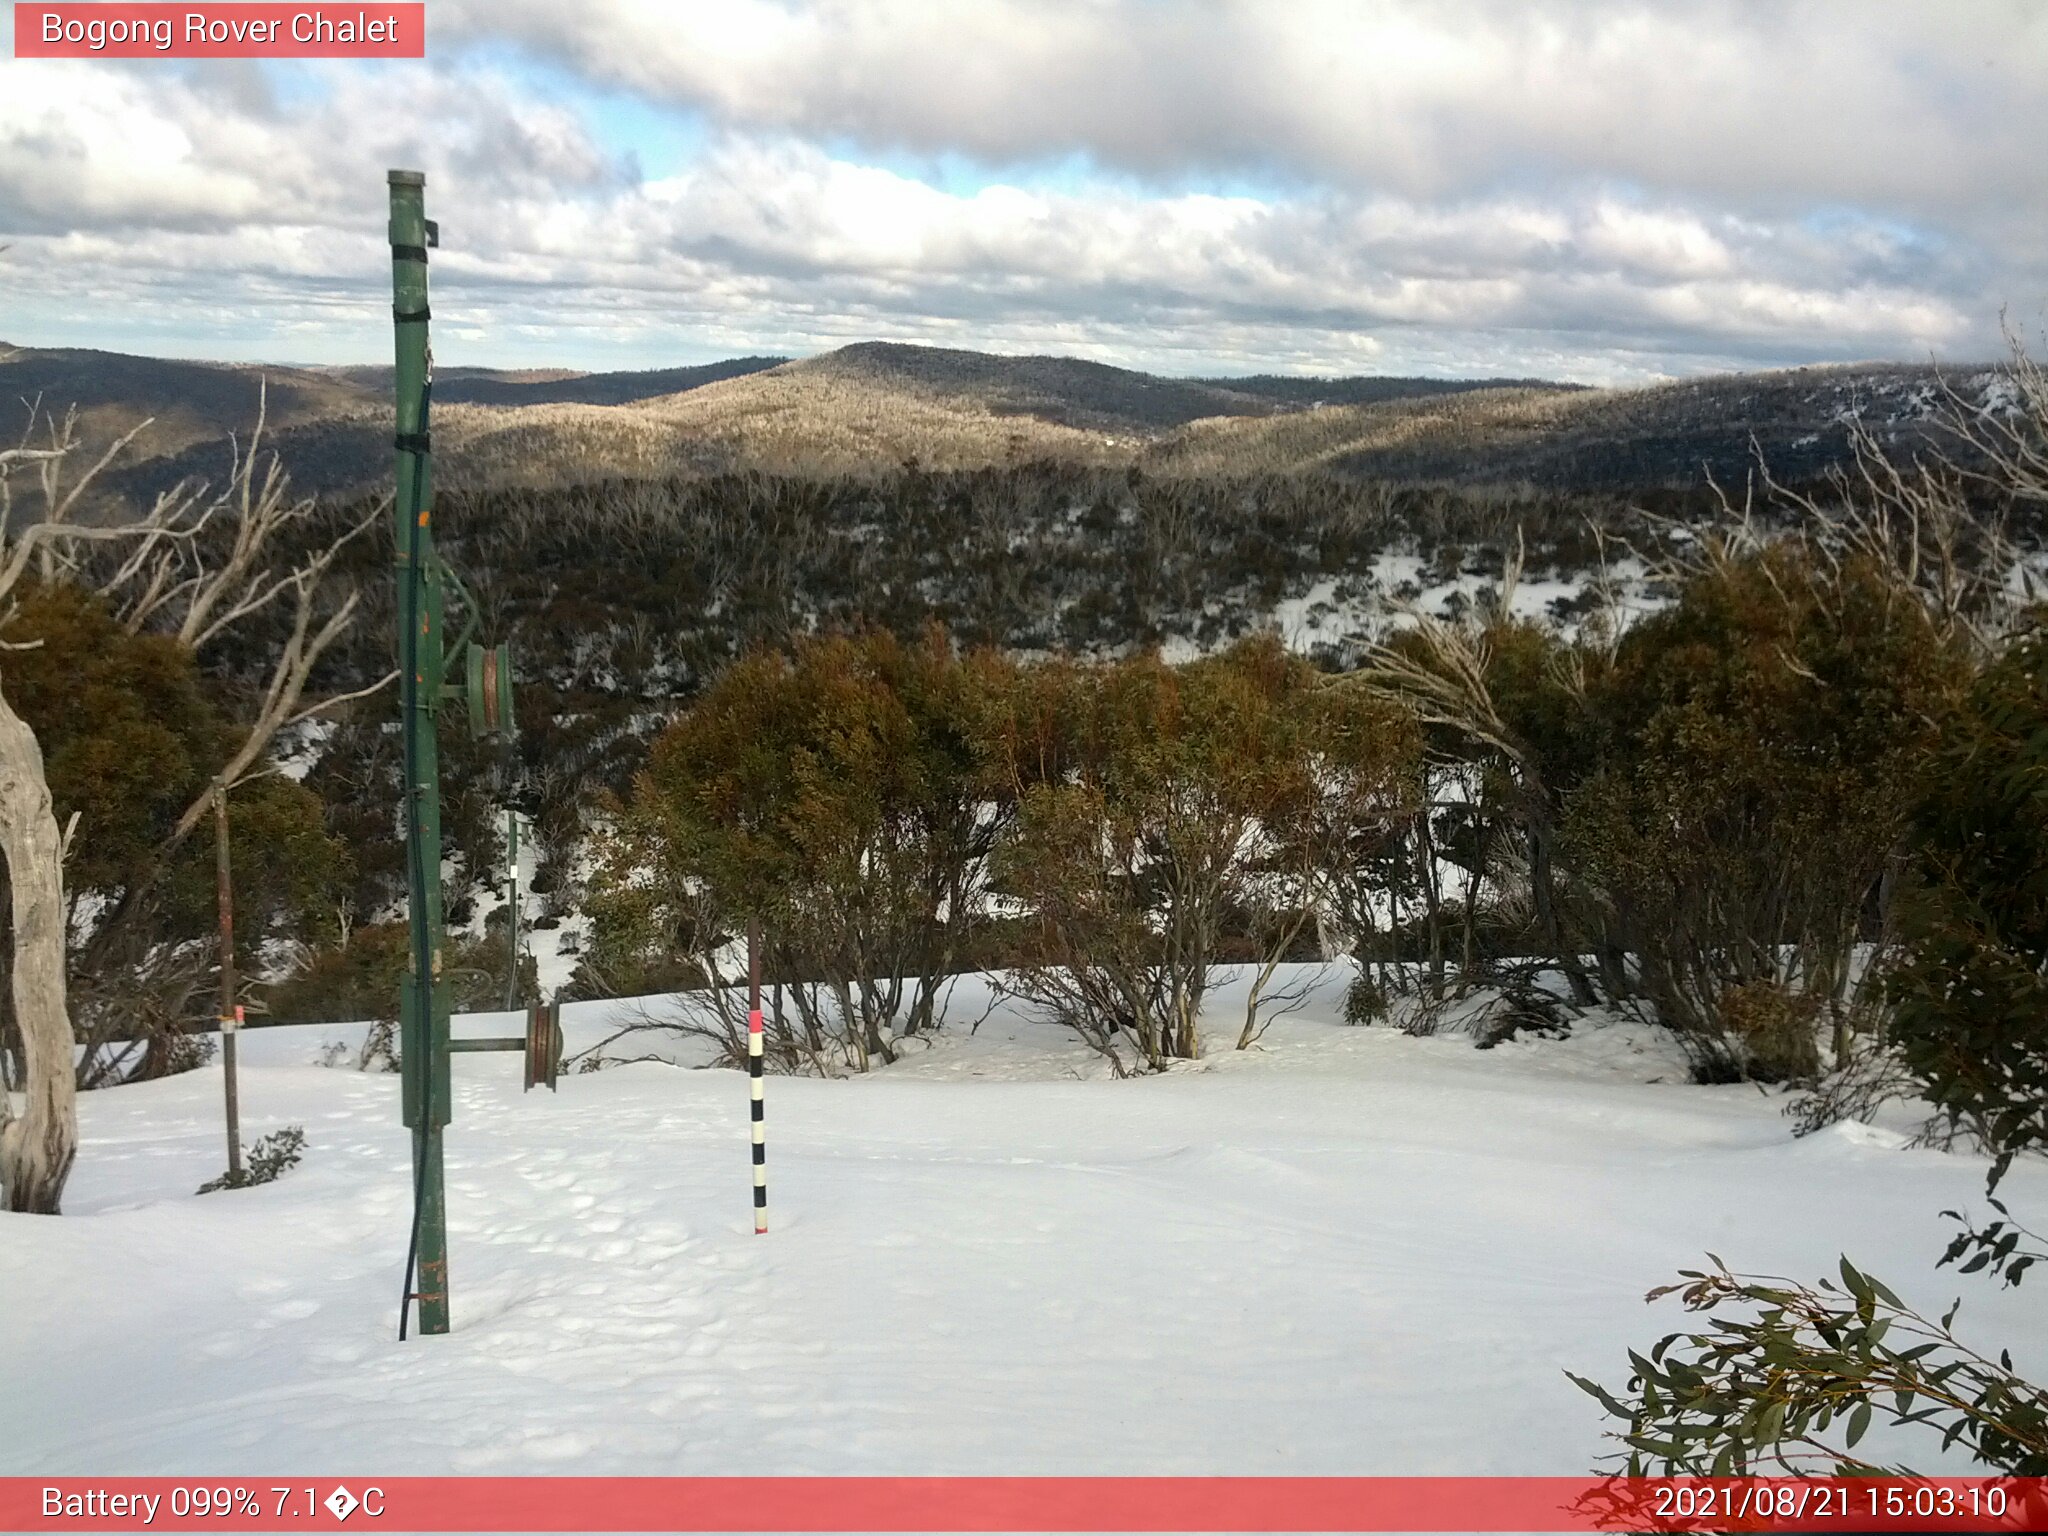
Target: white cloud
[(1601, 191), (1655, 242), (1928, 106)]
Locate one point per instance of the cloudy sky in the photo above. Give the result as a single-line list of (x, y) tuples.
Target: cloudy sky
[(1563, 188)]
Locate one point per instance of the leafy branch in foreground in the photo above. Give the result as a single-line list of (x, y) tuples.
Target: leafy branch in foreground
[(1995, 1247), (1793, 1381)]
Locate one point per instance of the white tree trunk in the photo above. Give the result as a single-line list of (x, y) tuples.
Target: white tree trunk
[(36, 1147)]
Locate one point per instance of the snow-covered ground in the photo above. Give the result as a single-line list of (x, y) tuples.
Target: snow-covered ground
[(1350, 1251)]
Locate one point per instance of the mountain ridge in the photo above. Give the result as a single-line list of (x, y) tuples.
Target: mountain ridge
[(877, 405)]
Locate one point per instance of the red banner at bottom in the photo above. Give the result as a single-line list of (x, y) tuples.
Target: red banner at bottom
[(1023, 1504)]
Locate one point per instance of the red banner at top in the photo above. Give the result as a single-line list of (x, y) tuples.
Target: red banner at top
[(217, 31)]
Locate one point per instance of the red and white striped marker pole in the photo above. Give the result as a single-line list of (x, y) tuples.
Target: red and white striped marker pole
[(756, 1108)]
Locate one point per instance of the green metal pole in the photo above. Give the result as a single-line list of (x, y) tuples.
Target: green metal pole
[(423, 1010)]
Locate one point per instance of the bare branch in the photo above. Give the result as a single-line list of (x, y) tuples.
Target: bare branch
[(335, 700)]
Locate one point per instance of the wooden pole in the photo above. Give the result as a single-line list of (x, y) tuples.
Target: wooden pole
[(512, 900), (230, 1013), (756, 1108)]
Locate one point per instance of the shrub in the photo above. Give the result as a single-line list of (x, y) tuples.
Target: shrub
[(1774, 1026), (269, 1157), (1154, 802), (378, 1052), (1365, 1000), (1523, 1009), (832, 794), (1761, 747), (1505, 706), (128, 733), (360, 977), (1971, 992), (1122, 848), (1344, 773)]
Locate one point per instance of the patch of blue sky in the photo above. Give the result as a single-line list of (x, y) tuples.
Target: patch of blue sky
[(298, 82), (1074, 173), (1840, 220), (659, 139)]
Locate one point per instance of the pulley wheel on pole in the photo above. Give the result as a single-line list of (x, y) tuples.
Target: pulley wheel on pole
[(543, 1045)]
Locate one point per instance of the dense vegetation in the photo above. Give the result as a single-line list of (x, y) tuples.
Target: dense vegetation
[(624, 600), (1705, 818), (1703, 814), (1777, 1374)]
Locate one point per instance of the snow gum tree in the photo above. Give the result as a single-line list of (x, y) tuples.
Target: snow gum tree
[(833, 794), (1345, 771), (1761, 747), (192, 570), (131, 732), (1970, 992), (1913, 563), (1158, 804), (1499, 701)]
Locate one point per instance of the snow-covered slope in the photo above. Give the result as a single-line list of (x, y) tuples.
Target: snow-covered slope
[(1350, 1251)]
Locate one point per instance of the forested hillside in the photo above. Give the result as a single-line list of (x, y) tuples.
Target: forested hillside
[(625, 597), (874, 406)]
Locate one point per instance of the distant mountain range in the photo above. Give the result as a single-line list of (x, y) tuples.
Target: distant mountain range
[(494, 386), (881, 404)]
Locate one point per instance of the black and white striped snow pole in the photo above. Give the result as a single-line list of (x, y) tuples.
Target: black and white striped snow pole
[(756, 1108)]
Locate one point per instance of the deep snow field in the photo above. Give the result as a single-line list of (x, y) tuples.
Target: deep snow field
[(1348, 1251)]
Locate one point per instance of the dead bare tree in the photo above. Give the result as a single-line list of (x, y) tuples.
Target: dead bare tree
[(160, 575), (1443, 670)]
